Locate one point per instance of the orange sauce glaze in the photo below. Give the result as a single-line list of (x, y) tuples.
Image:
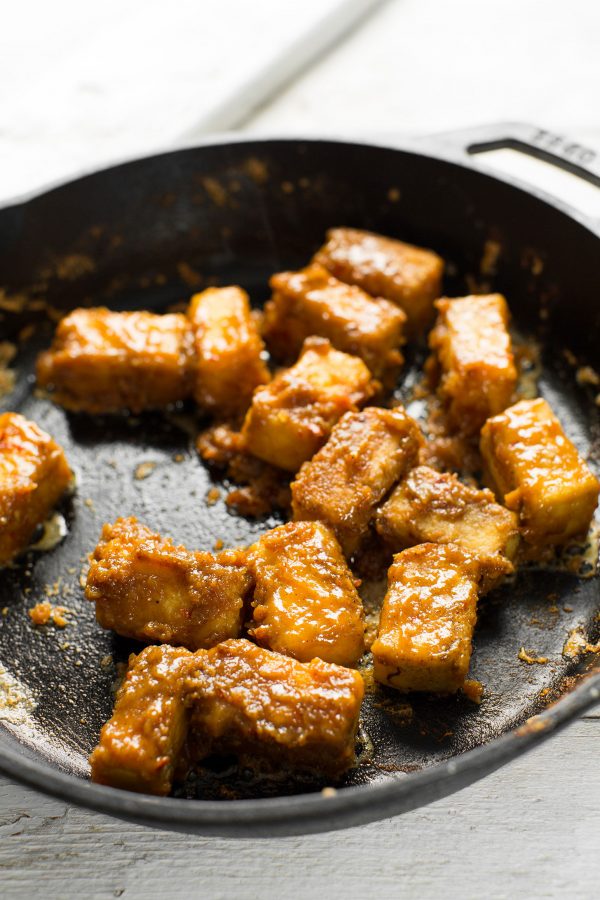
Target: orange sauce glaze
[(427, 619), (305, 601), (407, 275), (34, 474)]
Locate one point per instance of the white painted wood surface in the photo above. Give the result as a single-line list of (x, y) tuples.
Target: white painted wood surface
[(415, 66), (82, 85), (421, 66), (531, 830)]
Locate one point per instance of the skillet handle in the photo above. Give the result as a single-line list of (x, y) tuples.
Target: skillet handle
[(553, 148)]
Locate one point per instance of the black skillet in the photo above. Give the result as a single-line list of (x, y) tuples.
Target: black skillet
[(235, 211)]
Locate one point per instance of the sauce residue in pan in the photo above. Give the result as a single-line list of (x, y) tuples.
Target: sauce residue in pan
[(16, 701), (54, 529)]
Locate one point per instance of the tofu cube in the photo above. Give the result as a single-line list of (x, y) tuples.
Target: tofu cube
[(103, 361), (228, 349), (305, 600), (140, 745), (538, 473), (313, 302), (291, 417), (408, 276), (34, 474), (435, 507), (472, 350), (146, 588), (366, 453), (427, 620), (272, 711)]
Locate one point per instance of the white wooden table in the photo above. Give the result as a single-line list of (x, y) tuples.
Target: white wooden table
[(70, 99)]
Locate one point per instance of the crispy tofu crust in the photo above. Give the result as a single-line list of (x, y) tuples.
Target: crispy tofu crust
[(539, 473), (409, 276), (291, 417), (271, 710), (102, 361), (229, 363), (313, 302), (427, 619), (430, 506), (367, 452), (473, 351), (139, 746), (34, 474), (145, 587), (305, 601), (237, 698)]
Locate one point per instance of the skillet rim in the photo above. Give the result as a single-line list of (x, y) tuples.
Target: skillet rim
[(450, 147), (307, 813), (355, 805)]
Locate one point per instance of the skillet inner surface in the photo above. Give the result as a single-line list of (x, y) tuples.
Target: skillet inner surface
[(253, 207)]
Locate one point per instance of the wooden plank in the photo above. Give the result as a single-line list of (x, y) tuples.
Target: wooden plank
[(79, 89), (530, 829), (419, 68), (421, 82)]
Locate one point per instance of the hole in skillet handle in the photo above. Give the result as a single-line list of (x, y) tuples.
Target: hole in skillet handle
[(571, 170)]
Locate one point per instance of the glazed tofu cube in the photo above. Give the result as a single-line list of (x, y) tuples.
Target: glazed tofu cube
[(429, 506), (408, 276), (146, 588), (102, 361), (313, 302), (140, 745), (271, 710), (367, 452), (228, 348), (427, 619), (305, 600), (34, 474), (291, 417), (538, 472), (472, 351)]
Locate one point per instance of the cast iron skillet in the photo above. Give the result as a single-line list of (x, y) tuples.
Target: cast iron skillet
[(235, 211)]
